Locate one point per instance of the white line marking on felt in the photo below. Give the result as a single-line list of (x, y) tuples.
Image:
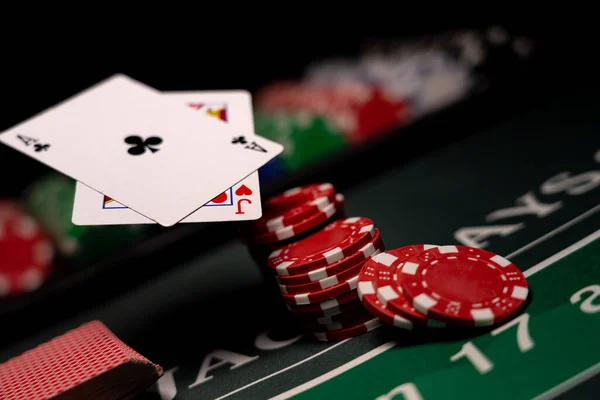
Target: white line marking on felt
[(335, 372), (569, 383), (553, 232), (283, 370), (384, 347), (575, 246)]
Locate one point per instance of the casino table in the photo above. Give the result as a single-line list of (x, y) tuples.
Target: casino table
[(527, 188)]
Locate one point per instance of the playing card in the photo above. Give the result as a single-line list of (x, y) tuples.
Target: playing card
[(124, 139), (237, 203), (88, 362)]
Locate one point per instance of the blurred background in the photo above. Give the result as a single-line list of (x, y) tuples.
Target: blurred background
[(346, 106)]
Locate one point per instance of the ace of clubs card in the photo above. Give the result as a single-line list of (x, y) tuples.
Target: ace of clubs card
[(240, 202)]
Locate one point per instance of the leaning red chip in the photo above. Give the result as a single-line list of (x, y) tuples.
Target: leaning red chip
[(373, 247), (463, 285), (336, 241)]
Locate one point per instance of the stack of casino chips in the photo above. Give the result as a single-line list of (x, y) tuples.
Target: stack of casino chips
[(334, 274), (289, 217), (315, 255), (421, 286)]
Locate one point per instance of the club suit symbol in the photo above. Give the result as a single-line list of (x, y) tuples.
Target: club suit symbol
[(140, 145), (240, 140), (41, 147)]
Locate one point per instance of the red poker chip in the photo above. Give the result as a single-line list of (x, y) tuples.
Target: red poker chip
[(335, 242), (390, 294), (324, 283), (321, 295), (463, 285), (347, 333), (318, 274), (27, 253), (294, 230), (326, 307), (346, 302), (273, 221), (299, 195)]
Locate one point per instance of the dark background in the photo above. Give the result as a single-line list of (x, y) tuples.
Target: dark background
[(55, 63)]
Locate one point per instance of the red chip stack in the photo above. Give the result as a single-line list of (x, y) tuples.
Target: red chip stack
[(315, 254), (334, 274), (289, 217)]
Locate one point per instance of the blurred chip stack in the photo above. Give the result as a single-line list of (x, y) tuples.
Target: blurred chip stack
[(27, 257), (356, 109)]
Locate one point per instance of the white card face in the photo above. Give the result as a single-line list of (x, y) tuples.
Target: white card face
[(126, 140), (238, 203)]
